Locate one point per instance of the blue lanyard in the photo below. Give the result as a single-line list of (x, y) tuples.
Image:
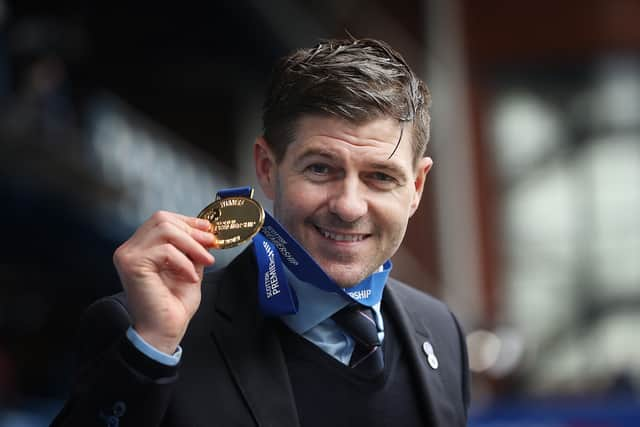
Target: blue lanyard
[(275, 247)]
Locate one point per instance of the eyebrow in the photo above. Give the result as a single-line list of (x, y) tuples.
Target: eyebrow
[(320, 152), (385, 166), (391, 169)]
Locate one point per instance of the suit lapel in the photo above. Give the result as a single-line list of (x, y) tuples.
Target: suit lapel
[(251, 347), (412, 334)]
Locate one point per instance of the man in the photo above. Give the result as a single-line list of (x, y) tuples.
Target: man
[(342, 157)]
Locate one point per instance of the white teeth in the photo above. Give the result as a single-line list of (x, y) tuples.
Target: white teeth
[(342, 237)]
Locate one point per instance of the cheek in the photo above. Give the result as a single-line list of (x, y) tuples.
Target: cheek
[(300, 201), (393, 220)]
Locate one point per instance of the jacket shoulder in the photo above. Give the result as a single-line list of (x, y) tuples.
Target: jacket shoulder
[(417, 301)]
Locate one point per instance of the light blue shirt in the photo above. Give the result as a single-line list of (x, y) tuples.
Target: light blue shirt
[(312, 321), (152, 352)]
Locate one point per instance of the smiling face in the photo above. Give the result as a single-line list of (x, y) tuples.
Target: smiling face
[(340, 195)]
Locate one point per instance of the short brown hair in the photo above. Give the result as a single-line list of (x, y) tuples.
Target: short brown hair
[(354, 79)]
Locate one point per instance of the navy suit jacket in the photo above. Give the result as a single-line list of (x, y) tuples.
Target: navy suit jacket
[(233, 371)]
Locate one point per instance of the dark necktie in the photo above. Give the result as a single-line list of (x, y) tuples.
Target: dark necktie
[(358, 321)]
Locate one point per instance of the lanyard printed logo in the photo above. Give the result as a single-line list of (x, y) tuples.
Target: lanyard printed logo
[(273, 246)]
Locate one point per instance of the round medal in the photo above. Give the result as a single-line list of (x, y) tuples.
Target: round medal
[(234, 220)]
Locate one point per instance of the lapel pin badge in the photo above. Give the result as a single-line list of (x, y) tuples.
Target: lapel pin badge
[(431, 356)]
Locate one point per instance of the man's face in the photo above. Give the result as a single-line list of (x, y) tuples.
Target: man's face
[(340, 195)]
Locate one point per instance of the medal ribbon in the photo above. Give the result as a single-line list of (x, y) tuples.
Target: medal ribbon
[(274, 247)]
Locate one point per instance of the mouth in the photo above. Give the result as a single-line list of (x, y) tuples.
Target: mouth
[(341, 237)]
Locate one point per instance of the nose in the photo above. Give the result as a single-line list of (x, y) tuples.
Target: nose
[(348, 200)]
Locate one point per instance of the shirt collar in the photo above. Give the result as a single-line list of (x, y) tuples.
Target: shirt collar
[(314, 305)]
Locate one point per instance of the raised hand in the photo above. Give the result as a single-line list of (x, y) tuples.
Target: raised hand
[(161, 269)]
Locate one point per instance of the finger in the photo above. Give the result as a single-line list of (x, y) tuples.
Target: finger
[(198, 228), (198, 223), (176, 218), (169, 229), (200, 270), (171, 260), (168, 232), (205, 238)]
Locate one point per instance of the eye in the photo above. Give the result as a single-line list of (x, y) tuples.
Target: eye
[(382, 181), (379, 176), (319, 172), (318, 169)]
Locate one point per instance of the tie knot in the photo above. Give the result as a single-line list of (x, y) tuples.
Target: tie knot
[(358, 321)]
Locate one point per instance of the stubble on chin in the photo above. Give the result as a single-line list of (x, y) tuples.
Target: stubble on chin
[(347, 276)]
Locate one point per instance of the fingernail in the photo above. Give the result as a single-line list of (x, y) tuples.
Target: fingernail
[(203, 223)]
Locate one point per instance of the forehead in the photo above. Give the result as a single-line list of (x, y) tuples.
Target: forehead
[(376, 139)]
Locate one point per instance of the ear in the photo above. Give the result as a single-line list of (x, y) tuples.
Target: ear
[(266, 166), (422, 169)]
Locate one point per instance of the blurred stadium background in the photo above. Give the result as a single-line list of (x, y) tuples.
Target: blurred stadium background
[(530, 226)]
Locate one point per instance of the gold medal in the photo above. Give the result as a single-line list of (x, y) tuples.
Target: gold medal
[(234, 220)]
